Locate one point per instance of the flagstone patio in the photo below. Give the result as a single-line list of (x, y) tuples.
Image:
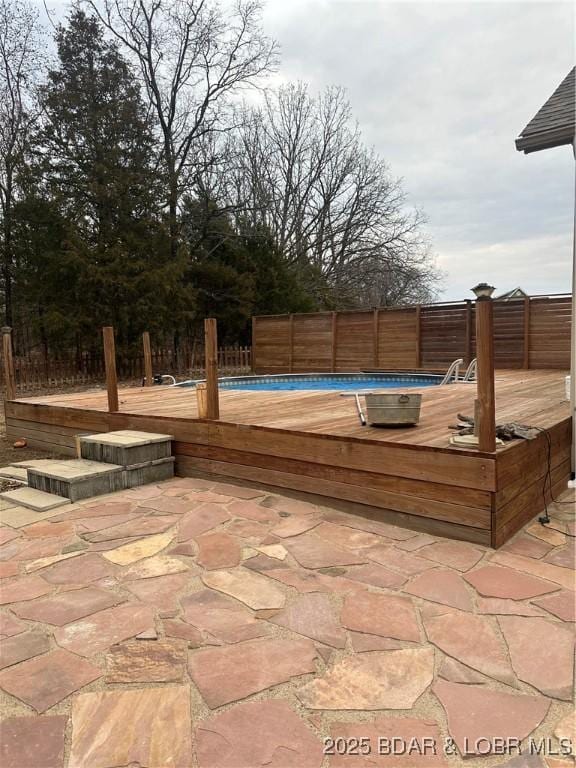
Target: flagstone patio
[(201, 624)]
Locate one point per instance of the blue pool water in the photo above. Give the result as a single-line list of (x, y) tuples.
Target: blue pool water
[(325, 381)]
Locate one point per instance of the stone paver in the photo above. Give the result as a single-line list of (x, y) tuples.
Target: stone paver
[(379, 680), (472, 640), (455, 554), (18, 517), (30, 742), (497, 715), (384, 615), (281, 739), (247, 587), (405, 562), (494, 581), (21, 647), (24, 588), (136, 661), (148, 727), (37, 501), (313, 615), (10, 625), (452, 670), (162, 592), (313, 552), (138, 550), (551, 671), (202, 519), (233, 672), (293, 526), (441, 586), (80, 570), (101, 630), (159, 565), (45, 680), (417, 744), (310, 612), (222, 619), (217, 550), (562, 604), (376, 576)]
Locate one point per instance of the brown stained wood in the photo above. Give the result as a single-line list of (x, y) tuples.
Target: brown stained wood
[(8, 361), (311, 442), (334, 342), (418, 341), (202, 400), (469, 330), (526, 340), (486, 426), (189, 467), (110, 366), (290, 343), (211, 352), (375, 332), (148, 374)]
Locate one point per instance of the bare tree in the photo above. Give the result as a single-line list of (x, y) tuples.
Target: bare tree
[(20, 62), (302, 170), (193, 59)]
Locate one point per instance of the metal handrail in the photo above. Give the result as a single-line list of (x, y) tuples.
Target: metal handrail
[(453, 370), (471, 371)]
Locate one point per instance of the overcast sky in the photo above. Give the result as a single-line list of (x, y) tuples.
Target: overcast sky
[(442, 90)]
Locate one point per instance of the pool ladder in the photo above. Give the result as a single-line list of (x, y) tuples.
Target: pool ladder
[(452, 371)]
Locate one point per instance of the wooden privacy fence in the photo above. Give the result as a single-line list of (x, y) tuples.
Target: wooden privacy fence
[(34, 372), (528, 333)]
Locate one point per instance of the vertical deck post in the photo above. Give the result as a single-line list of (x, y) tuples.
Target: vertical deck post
[(211, 352), (147, 359), (486, 409), (527, 332), (9, 377), (110, 366), (375, 337)]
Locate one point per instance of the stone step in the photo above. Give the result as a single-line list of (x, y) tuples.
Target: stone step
[(77, 478), (38, 501), (126, 447), (149, 472), (14, 473)]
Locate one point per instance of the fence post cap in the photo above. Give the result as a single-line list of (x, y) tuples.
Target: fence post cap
[(6, 329)]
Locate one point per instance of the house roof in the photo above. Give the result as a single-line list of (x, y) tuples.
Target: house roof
[(554, 123), (515, 293)]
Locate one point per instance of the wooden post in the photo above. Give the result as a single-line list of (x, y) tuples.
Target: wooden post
[(110, 366), (418, 337), (211, 352), (9, 377), (148, 375), (201, 400), (527, 332), (485, 376), (334, 341), (375, 337), (290, 343), (468, 350)]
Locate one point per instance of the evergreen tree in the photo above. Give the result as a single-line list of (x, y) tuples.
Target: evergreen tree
[(97, 178)]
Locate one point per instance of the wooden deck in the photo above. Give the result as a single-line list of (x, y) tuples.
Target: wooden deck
[(312, 442)]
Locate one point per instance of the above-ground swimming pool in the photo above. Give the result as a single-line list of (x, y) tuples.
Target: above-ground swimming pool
[(325, 381)]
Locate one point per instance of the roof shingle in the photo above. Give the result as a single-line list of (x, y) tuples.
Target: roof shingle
[(554, 123)]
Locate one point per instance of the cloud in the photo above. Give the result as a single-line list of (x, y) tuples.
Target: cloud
[(442, 90)]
